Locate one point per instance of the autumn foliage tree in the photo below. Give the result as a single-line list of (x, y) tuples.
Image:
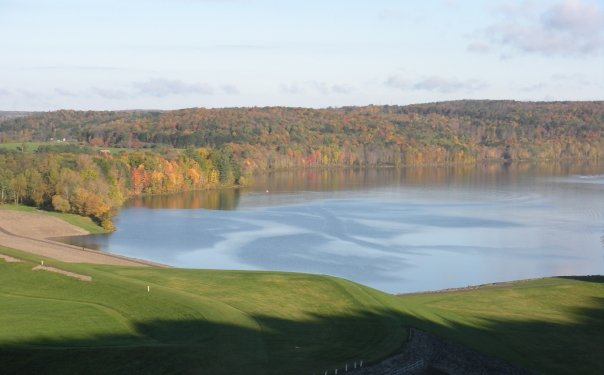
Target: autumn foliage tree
[(199, 148)]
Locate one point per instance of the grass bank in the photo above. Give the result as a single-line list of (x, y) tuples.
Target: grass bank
[(550, 325), (230, 322), (218, 322)]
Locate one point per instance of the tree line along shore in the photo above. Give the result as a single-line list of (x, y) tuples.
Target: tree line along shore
[(88, 162)]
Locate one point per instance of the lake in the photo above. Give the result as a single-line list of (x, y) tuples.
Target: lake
[(397, 230)]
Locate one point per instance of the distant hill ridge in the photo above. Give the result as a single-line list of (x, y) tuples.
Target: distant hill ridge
[(12, 114), (282, 137)]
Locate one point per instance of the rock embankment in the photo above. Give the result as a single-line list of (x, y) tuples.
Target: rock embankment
[(429, 354)]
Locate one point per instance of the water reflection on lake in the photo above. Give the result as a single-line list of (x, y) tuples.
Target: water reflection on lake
[(397, 230)]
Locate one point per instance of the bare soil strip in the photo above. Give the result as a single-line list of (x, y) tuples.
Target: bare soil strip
[(30, 232), (62, 272), (9, 259)]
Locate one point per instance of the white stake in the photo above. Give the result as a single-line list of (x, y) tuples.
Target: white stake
[(148, 289), (42, 262)]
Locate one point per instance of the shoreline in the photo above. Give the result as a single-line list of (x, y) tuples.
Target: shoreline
[(32, 233)]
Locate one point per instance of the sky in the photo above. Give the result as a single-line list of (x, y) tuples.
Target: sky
[(169, 54)]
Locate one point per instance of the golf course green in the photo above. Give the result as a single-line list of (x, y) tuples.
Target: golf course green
[(166, 320)]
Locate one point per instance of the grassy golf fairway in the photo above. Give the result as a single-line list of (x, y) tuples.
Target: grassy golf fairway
[(230, 322)]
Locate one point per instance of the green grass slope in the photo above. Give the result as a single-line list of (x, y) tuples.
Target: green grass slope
[(217, 322), (551, 325), (230, 322)]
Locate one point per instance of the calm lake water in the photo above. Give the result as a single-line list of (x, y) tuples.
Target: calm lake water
[(397, 230)]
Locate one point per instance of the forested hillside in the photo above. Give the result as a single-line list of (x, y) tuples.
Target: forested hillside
[(278, 137), (193, 149)]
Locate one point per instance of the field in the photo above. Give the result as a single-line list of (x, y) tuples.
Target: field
[(229, 322), (33, 146), (29, 146)]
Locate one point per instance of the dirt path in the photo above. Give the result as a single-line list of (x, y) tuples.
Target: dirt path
[(62, 272), (9, 259), (30, 232)]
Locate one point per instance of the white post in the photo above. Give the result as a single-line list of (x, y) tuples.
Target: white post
[(148, 289), (361, 363), (355, 364), (42, 262), (346, 368)]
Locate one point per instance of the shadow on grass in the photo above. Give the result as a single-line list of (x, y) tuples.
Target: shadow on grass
[(312, 345), (546, 347), (591, 279), (185, 346), (319, 342)]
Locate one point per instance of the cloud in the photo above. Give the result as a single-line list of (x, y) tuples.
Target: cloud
[(452, 4), (479, 47), (560, 82), (72, 67), (391, 15), (155, 87), (444, 85), (210, 1), (229, 89), (517, 8), (292, 88), (324, 88), (327, 89), (536, 87), (574, 15), (33, 95), (250, 47), (569, 27), (435, 83), (160, 87), (397, 82), (110, 93), (342, 89), (64, 92), (577, 79)]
